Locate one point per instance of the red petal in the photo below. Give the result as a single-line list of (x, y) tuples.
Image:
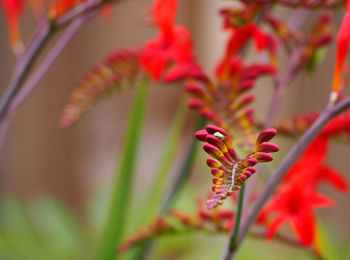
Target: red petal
[(275, 225), (317, 151), (260, 39), (332, 176), (164, 12), (342, 49), (320, 201), (304, 226)]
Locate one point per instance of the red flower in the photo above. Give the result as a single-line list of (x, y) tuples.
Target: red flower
[(172, 47), (237, 41), (298, 196), (343, 41), (294, 204), (13, 10)]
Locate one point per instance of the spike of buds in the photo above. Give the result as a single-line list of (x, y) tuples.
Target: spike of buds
[(231, 171)]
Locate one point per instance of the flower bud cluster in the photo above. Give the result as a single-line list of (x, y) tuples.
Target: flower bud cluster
[(119, 71), (228, 170)]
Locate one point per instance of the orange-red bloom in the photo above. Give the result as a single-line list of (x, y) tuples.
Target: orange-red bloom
[(13, 9), (171, 50), (343, 41), (298, 195)]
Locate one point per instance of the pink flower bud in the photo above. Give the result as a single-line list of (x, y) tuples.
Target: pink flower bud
[(212, 129), (195, 103), (195, 89), (266, 136), (211, 139), (250, 162), (201, 135), (243, 102), (213, 163), (262, 157), (251, 169), (213, 151), (267, 147)]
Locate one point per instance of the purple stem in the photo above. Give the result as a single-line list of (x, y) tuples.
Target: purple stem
[(48, 61), (295, 21), (288, 161), (22, 69), (25, 63), (41, 71)]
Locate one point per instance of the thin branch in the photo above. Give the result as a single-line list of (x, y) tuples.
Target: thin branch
[(23, 67), (288, 161), (232, 244), (49, 60), (30, 85), (185, 171), (40, 39)]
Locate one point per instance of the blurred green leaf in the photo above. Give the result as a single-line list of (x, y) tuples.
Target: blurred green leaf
[(17, 235), (315, 60), (324, 243), (63, 234), (154, 198), (121, 191)]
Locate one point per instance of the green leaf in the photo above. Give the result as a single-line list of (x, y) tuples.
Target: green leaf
[(154, 198), (181, 178), (185, 170), (315, 60), (324, 243), (60, 230), (17, 237), (120, 199)]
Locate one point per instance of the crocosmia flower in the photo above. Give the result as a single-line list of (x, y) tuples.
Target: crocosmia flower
[(298, 195), (343, 41), (13, 10), (169, 55)]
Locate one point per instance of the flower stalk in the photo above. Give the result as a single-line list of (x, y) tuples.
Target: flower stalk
[(239, 211), (288, 161)]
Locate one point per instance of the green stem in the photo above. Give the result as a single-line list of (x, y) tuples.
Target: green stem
[(121, 191), (234, 237), (181, 179), (184, 172), (160, 178)]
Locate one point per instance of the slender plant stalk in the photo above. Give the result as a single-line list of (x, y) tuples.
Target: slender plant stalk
[(23, 68), (182, 177), (32, 82), (233, 239), (40, 39), (185, 171), (238, 216), (288, 161), (51, 57), (157, 188), (121, 191)]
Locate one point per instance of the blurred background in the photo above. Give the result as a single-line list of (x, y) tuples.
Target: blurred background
[(41, 162)]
